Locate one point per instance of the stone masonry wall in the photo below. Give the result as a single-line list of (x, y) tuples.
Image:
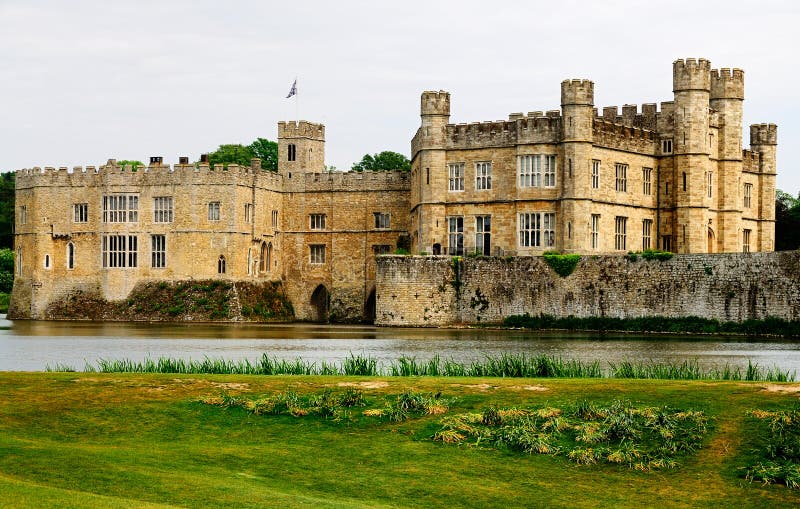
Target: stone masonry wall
[(437, 291)]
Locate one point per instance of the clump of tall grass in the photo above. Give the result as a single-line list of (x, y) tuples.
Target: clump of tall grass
[(335, 405), (327, 404), (644, 438), (504, 365), (413, 403), (776, 448)]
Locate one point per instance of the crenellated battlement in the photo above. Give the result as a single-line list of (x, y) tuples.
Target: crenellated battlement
[(349, 181), (691, 74), (751, 160), (577, 93), (301, 129), (520, 129), (727, 84), (112, 173), (763, 134), (611, 134), (435, 103), (645, 116)]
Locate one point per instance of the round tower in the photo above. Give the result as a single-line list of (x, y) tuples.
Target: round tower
[(429, 172), (691, 84), (727, 97), (764, 140), (577, 117)]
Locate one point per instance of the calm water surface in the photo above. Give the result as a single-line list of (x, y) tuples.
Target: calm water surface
[(32, 345)]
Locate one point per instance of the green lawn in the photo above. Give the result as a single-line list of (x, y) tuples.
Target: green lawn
[(131, 440)]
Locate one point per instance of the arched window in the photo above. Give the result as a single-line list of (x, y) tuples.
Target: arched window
[(70, 255), (269, 256), (249, 262), (47, 261), (221, 265), (19, 261), (262, 262)]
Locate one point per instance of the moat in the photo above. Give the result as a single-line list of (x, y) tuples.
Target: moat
[(32, 345)]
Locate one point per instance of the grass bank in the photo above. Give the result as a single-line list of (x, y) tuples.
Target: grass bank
[(690, 324), (505, 366), (166, 440)]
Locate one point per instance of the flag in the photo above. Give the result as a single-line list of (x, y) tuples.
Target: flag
[(293, 90)]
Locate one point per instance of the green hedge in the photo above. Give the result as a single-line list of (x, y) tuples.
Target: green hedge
[(689, 324), (562, 264)]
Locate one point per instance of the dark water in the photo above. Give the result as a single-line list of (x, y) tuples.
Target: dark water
[(32, 345)]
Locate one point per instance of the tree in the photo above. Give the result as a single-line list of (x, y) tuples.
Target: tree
[(130, 162), (231, 154), (6, 270), (787, 221), (7, 209), (240, 154), (267, 151), (385, 161)]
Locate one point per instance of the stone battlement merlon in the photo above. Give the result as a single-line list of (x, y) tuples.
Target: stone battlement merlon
[(763, 134), (577, 92), (691, 74), (435, 103), (301, 129), (727, 84)]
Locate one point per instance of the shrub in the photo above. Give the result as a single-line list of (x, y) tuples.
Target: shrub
[(562, 264)]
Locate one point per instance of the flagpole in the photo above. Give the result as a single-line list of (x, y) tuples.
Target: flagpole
[(296, 104)]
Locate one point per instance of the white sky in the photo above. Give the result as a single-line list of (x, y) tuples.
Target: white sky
[(84, 81)]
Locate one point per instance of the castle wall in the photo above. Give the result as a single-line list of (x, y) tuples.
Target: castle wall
[(440, 291), (350, 238)]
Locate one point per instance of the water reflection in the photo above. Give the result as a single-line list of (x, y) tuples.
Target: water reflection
[(31, 345)]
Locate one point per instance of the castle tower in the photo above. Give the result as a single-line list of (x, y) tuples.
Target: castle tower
[(577, 116), (430, 180), (727, 96), (691, 84), (301, 147), (764, 140)]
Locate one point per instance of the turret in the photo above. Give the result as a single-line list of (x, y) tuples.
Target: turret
[(430, 172), (727, 95), (301, 147), (764, 140), (435, 108), (577, 117), (577, 103), (691, 84)]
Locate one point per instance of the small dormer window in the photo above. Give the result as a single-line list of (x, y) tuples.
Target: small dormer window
[(292, 152)]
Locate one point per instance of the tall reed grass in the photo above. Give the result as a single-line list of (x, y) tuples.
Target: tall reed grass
[(505, 366)]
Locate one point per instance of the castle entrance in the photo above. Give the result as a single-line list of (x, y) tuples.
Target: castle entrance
[(319, 304), (369, 308)]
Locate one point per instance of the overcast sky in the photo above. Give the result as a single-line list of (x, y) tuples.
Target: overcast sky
[(85, 81)]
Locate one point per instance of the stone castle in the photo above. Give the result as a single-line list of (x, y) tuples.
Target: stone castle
[(572, 180)]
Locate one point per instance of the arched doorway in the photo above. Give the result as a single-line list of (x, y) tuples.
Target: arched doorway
[(711, 240), (319, 304), (369, 308)]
